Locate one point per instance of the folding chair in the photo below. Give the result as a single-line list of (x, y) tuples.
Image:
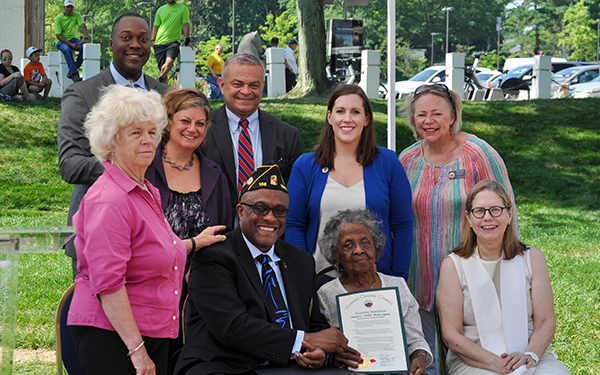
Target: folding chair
[(65, 349)]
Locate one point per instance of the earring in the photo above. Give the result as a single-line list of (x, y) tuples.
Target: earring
[(451, 131), (337, 266), (112, 151)]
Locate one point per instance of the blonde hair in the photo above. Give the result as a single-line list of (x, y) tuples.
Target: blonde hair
[(468, 241), (118, 107), (452, 99)]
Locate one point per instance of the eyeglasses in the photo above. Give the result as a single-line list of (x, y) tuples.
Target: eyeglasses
[(6, 58), (435, 87), (261, 209), (495, 211)]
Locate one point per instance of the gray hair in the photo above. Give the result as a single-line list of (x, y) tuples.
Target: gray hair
[(118, 107), (242, 59), (329, 240), (408, 108)]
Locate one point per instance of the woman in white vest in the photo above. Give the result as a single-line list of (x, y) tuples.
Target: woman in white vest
[(494, 295)]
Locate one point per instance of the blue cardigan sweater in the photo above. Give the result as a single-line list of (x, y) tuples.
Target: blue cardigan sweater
[(388, 196)]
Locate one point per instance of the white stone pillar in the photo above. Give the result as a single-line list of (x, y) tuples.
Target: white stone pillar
[(63, 70), (275, 72), (53, 72), (455, 73), (91, 60), (542, 77), (187, 68), (369, 73)]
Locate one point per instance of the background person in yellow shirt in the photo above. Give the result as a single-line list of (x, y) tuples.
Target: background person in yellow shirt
[(215, 67), (170, 19)]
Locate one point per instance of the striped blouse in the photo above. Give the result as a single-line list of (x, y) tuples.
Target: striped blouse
[(438, 209)]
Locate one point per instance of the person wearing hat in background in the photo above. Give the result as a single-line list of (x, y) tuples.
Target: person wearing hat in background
[(291, 71), (253, 295), (67, 40), (35, 75)]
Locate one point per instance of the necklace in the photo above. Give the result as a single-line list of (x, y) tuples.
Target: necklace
[(179, 167)]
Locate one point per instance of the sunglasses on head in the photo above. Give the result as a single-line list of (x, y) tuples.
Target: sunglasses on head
[(443, 89)]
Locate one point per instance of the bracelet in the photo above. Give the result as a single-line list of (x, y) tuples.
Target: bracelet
[(136, 349), (193, 245), (534, 356)]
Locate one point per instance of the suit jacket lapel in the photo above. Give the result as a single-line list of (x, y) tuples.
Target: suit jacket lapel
[(290, 289), (249, 265), (268, 134), (222, 137)]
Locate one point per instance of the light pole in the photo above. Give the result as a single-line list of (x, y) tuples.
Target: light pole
[(233, 26), (91, 17), (432, 36), (146, 4), (598, 40), (447, 10)]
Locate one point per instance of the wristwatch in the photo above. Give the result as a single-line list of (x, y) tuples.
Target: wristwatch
[(534, 356)]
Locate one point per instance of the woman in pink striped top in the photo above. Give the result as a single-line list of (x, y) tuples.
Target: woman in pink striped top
[(442, 167)]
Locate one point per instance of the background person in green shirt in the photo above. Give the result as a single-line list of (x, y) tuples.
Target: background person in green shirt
[(170, 19), (67, 37)]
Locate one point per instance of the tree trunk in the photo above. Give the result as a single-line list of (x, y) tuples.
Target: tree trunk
[(312, 78)]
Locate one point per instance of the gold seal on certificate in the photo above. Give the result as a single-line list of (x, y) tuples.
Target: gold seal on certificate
[(372, 322)]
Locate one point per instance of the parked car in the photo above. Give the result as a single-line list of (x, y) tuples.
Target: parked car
[(431, 75), (586, 90), (525, 72), (571, 77)]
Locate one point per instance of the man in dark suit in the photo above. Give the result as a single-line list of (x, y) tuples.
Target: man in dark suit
[(237, 323), (130, 44), (242, 84)]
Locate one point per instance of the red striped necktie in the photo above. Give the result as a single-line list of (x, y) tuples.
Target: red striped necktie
[(245, 154)]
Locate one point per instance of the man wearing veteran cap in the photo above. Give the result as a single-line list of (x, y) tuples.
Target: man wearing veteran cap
[(252, 296), (67, 37)]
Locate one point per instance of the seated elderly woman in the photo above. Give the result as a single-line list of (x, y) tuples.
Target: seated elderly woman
[(353, 241), (125, 306), (494, 296)]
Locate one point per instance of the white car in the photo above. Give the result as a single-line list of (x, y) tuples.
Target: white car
[(428, 76), (431, 75), (586, 90), (572, 77)]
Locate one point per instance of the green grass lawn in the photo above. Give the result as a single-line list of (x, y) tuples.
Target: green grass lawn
[(551, 149)]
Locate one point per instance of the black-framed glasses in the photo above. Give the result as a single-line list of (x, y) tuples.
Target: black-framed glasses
[(495, 211), (6, 58), (261, 209), (443, 89)]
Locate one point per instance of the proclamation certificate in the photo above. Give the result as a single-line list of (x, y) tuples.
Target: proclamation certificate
[(372, 321)]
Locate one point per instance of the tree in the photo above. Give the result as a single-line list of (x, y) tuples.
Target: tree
[(284, 27), (578, 36), (312, 78)]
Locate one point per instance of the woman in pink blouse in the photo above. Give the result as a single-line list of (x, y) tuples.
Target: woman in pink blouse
[(126, 302)]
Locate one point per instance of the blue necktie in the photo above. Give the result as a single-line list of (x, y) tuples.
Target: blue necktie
[(273, 293)]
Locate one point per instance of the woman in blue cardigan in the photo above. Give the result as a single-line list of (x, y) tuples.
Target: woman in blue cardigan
[(348, 170)]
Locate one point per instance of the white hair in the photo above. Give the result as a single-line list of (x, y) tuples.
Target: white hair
[(118, 107)]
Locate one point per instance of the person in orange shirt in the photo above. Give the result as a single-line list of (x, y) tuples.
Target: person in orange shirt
[(34, 73)]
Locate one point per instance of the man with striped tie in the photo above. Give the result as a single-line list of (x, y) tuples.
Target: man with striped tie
[(253, 302), (241, 136)]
